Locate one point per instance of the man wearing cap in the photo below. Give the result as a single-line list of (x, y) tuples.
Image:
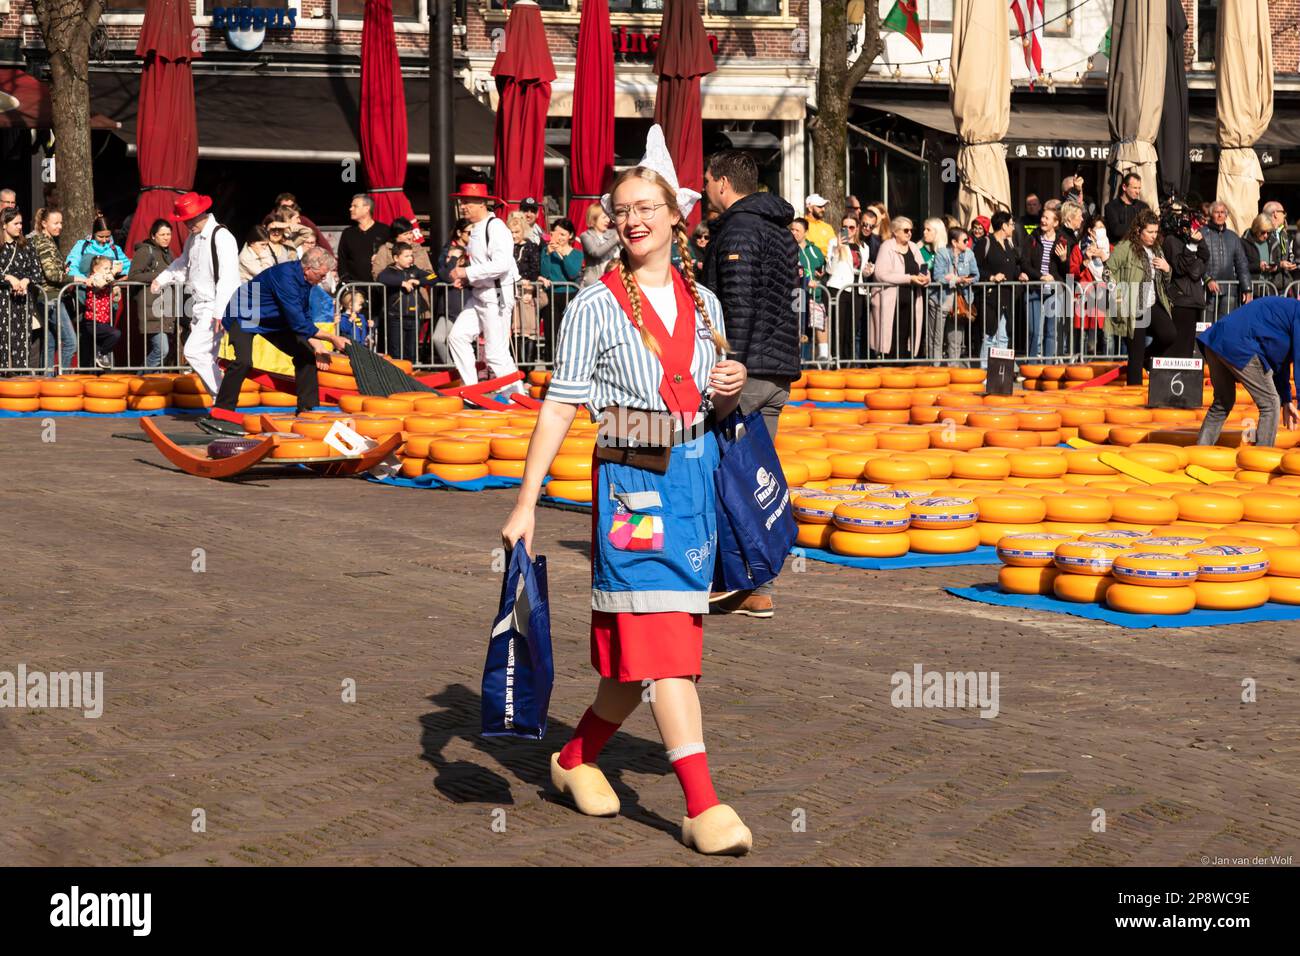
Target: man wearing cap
[(533, 231), (209, 267), (275, 304), (820, 232), (490, 278)]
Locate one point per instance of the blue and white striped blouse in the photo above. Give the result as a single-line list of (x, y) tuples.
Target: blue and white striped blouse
[(600, 360)]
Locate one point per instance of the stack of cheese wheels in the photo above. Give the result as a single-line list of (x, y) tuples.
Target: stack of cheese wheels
[(61, 395), (1230, 577), (20, 394), (871, 529), (1283, 576), (1029, 560), (1004, 513), (943, 525), (1085, 569), (814, 513), (1152, 582)]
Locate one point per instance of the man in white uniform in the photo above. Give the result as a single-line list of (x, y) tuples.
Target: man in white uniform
[(490, 276), (209, 268)]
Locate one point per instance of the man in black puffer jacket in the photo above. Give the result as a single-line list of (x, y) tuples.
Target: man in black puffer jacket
[(753, 267)]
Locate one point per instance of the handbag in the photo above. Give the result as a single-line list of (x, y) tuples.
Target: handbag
[(962, 308), (519, 671), (756, 527)]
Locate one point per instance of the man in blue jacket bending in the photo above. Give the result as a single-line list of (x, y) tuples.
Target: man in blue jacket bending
[(1257, 345)]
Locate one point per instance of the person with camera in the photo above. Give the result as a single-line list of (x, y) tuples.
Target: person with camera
[(1141, 274), (1263, 251), (1188, 255)]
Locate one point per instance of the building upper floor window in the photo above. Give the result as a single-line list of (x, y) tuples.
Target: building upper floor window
[(1207, 23), (744, 8), (936, 16), (403, 10)]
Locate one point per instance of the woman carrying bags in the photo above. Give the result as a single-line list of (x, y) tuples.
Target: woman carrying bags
[(644, 347), (1141, 278)]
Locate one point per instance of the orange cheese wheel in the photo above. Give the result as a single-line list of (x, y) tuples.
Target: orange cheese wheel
[(1254, 477), (1270, 535), (1225, 563), (1038, 420), (413, 467), (1283, 590), (1270, 508), (883, 400), (451, 471), (1209, 507), (942, 513), (351, 404), (1010, 509), (310, 428), (1214, 457), (1027, 580), (149, 385), (1259, 457), (819, 507), (427, 424), (1283, 562), (794, 439), (992, 418), (377, 427), (871, 517), (1290, 463), (572, 490), (279, 400), (20, 404), (20, 388), (438, 405), (1137, 599), (826, 379), (1011, 438), (147, 403), (1029, 550), (566, 467), (1151, 458), (1076, 508), (966, 376), (1077, 415), (943, 541), (451, 451), (851, 441), (895, 496), (1143, 509), (902, 440), (300, 448), (1119, 415), (1097, 434), (847, 465), (1154, 569), (1169, 544), (61, 403), (1087, 557), (1037, 464), (335, 380), (814, 535), (889, 416), (60, 388), (957, 439), (104, 389), (869, 544), (103, 406), (861, 378), (795, 472), (1074, 529), (188, 400), (387, 406), (983, 467), (819, 469), (1085, 461), (825, 394), (505, 468), (509, 448), (896, 469), (1082, 588), (417, 446), (1231, 595)]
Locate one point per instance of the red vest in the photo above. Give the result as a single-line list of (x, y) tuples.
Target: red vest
[(677, 387)]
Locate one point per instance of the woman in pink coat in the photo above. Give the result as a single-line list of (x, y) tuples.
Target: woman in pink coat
[(896, 321)]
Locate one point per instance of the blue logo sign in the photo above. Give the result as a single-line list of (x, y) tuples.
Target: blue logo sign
[(246, 26)]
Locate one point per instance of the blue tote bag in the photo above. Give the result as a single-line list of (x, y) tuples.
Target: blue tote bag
[(519, 672), (756, 527)]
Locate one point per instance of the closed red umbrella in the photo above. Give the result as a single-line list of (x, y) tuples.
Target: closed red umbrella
[(166, 134), (591, 160), (524, 73), (683, 57), (383, 113)]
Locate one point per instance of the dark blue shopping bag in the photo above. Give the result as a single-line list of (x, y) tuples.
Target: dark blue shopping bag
[(756, 527), (518, 674)]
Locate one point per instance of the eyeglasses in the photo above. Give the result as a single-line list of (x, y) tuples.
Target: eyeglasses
[(645, 211), (906, 229)]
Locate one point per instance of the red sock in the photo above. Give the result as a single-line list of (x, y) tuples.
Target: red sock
[(588, 740), (693, 774)]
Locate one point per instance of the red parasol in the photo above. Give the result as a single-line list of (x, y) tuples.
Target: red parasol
[(166, 133), (683, 57), (591, 162), (383, 113), (524, 73)]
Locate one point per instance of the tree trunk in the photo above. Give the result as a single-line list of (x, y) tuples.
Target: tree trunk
[(66, 27), (836, 80)]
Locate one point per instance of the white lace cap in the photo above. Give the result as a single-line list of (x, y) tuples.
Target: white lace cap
[(660, 160)]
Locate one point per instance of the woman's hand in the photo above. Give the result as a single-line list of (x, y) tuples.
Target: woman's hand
[(1160, 263), (727, 378), (521, 524)]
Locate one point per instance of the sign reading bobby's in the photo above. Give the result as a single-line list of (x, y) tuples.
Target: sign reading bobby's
[(254, 18)]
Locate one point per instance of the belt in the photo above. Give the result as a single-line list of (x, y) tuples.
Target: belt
[(622, 427)]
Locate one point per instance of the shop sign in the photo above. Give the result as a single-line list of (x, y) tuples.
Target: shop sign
[(246, 26), (1100, 152), (631, 43)]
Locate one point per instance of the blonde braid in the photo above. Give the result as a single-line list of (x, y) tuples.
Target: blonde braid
[(634, 299), (688, 273)]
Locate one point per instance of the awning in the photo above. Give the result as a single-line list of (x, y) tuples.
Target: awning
[(1054, 121), (298, 118), (25, 103)]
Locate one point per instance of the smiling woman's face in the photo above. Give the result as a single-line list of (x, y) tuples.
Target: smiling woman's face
[(643, 237)]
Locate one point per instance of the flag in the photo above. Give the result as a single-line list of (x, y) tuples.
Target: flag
[(902, 19), (1104, 49), (1029, 18)]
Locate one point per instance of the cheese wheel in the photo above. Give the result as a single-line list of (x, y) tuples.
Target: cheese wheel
[(956, 439), (300, 448), (61, 403), (376, 427), (147, 403), (1143, 509), (1178, 451), (1208, 507), (104, 388), (1136, 599), (451, 451), (351, 404), (387, 406), (985, 467), (448, 471), (1085, 461), (509, 449), (20, 404), (20, 388), (872, 517), (1154, 569), (1283, 590), (898, 495), (897, 379), (1073, 528), (1224, 563), (796, 473), (1170, 544), (826, 379), (1027, 580), (896, 469), (794, 439), (1010, 509), (889, 416), (1074, 416), (942, 513), (1283, 562), (869, 545), (103, 406), (1259, 457), (848, 464), (1290, 463), (943, 541), (438, 405), (1082, 588), (992, 418), (503, 468), (60, 388), (1120, 415), (1151, 458), (1037, 465), (902, 440), (1029, 550), (1231, 595), (1011, 438), (819, 469), (814, 536), (1077, 508), (566, 467), (1270, 508), (1038, 420), (966, 376), (851, 441), (1087, 557), (412, 467), (819, 507), (991, 532), (1265, 534), (891, 400), (825, 394), (861, 378), (1214, 457)]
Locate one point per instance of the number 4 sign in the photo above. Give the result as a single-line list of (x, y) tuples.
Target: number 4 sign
[(1175, 383)]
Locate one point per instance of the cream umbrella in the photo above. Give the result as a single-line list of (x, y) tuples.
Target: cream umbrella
[(980, 90), (1243, 60), (1135, 98)]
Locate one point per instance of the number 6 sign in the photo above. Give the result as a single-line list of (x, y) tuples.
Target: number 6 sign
[(1175, 383)]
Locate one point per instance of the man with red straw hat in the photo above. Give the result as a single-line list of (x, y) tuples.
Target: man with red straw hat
[(209, 268), (490, 276)]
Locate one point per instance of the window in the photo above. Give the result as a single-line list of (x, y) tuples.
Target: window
[(935, 16), (209, 5), (636, 6), (561, 5), (124, 6), (403, 10), (1207, 23), (744, 8)]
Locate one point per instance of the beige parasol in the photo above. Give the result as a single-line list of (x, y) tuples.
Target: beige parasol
[(1135, 98), (980, 91), (1243, 57)]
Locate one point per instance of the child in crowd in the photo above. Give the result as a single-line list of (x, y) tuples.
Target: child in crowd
[(98, 334), (352, 319), (403, 281)]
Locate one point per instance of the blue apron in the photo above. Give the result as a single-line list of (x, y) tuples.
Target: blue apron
[(656, 535)]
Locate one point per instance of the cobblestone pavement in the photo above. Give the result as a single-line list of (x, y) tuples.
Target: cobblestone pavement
[(223, 693)]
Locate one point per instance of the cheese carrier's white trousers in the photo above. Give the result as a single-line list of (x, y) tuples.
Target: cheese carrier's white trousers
[(201, 348), (493, 320)]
